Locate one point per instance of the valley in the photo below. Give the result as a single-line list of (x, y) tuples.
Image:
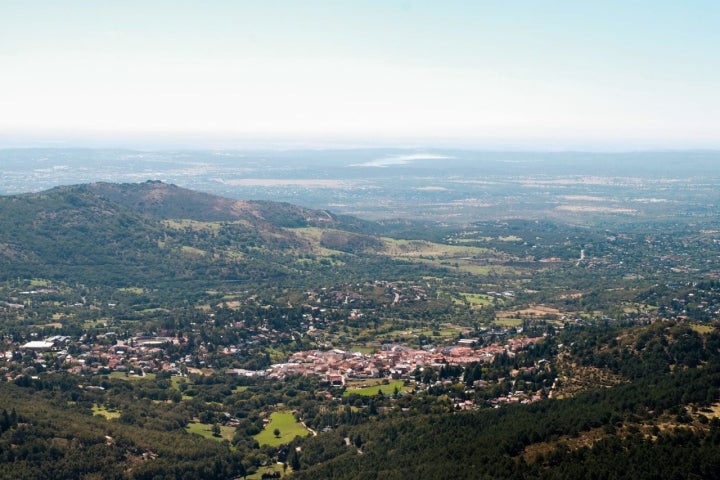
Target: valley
[(175, 333)]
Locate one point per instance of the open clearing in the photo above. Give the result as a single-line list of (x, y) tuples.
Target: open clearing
[(514, 318), (226, 433), (194, 225), (126, 376), (388, 333), (104, 412), (177, 380), (288, 426), (416, 248), (508, 322), (49, 325), (538, 311), (478, 299), (372, 390), (133, 290), (270, 469), (702, 329)]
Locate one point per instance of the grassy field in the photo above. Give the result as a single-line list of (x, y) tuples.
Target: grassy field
[(416, 248), (269, 469), (122, 376), (314, 235), (385, 333), (702, 329), (462, 257), (372, 390), (49, 325), (534, 311), (103, 411), (508, 322), (154, 310), (468, 265), (478, 299), (226, 433), (500, 270), (177, 380), (288, 426), (440, 332)]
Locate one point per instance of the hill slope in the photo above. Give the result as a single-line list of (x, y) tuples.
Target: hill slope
[(118, 234), (160, 200)]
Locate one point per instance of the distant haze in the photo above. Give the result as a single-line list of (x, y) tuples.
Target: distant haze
[(543, 75), (432, 184)]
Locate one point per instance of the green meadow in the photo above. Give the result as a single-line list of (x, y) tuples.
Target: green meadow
[(288, 426), (386, 389), (204, 430)]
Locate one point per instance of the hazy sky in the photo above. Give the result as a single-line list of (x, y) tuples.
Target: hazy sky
[(531, 74)]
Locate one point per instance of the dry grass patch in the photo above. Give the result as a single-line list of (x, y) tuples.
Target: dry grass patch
[(536, 451), (571, 295), (417, 248), (232, 304), (538, 311), (713, 411), (192, 251), (576, 378), (194, 225), (702, 329)]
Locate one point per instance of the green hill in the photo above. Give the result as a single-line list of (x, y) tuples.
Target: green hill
[(161, 235)]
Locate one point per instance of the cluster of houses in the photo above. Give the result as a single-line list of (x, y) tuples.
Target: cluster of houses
[(141, 354), (137, 355), (396, 361)]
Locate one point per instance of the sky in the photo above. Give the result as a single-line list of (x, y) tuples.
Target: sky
[(521, 74)]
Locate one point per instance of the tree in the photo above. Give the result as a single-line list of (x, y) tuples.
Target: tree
[(276, 432), (294, 460)]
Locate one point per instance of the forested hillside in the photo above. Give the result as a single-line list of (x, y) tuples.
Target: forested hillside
[(124, 235), (655, 424)]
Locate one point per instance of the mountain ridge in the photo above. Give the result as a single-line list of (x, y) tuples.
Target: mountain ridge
[(162, 231)]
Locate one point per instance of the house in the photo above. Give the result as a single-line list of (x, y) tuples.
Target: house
[(38, 346), (335, 379)]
